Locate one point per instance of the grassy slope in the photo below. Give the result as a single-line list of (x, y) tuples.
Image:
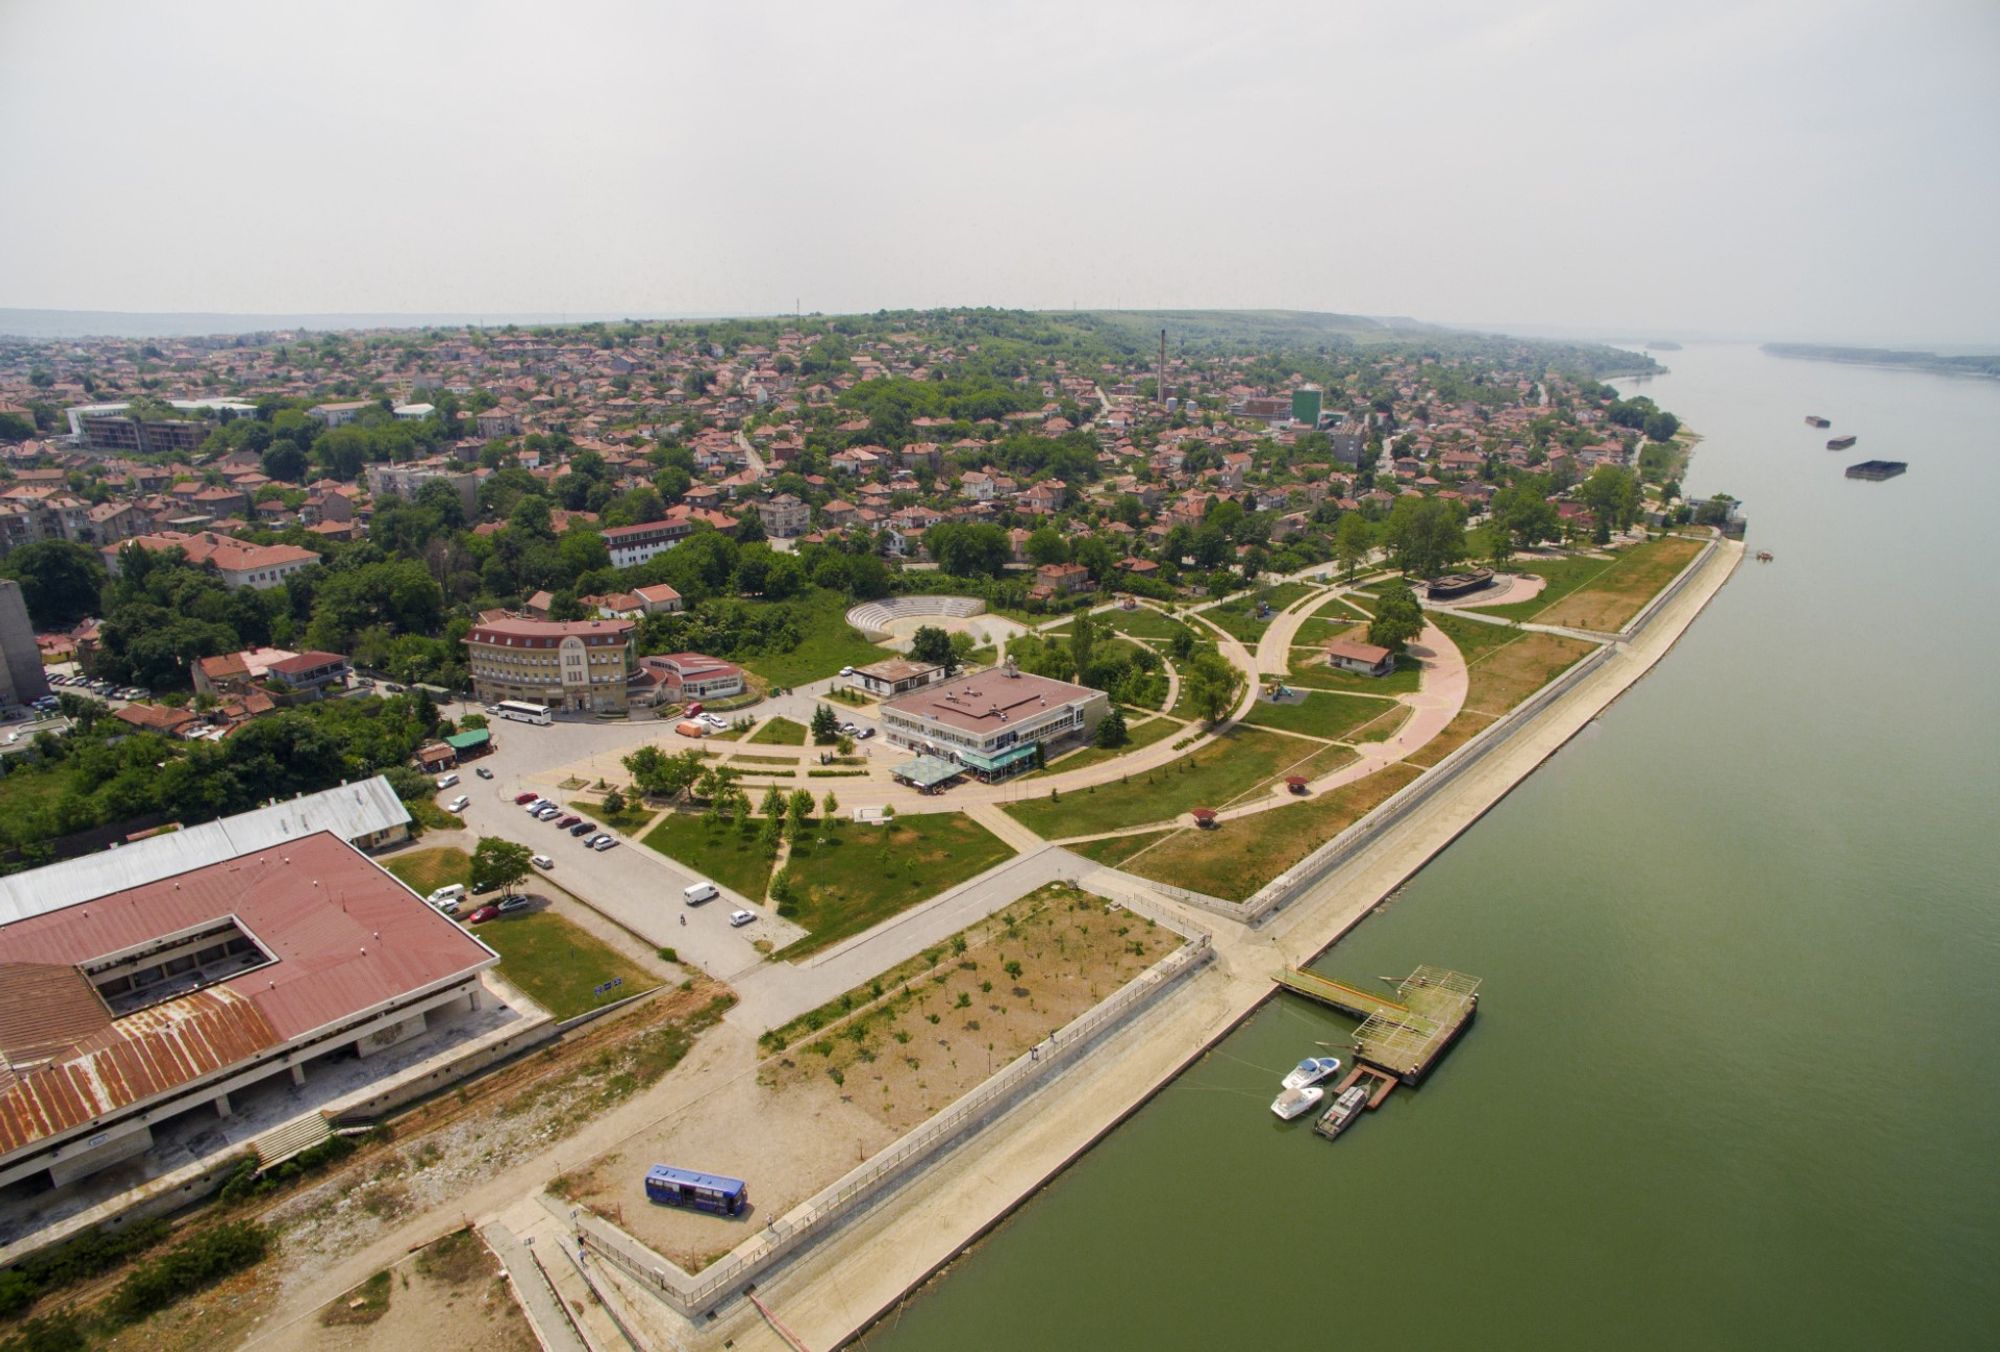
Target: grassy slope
[(1243, 759), (717, 850), (850, 877)]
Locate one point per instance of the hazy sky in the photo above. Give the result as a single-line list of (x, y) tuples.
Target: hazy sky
[(1812, 169)]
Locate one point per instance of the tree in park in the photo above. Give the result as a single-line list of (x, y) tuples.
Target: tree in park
[(1352, 541), (614, 803), (498, 863), (1111, 731), (60, 581), (1398, 619), (1425, 536), (932, 644), (1082, 642), (1213, 685), (1523, 510), (825, 725), (829, 806), (1612, 494), (1046, 546), (800, 810), (658, 775)]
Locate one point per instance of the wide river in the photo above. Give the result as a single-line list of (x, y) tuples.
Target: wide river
[(1736, 1077)]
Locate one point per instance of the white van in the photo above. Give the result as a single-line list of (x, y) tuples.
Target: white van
[(447, 781), (699, 893), (458, 804), (446, 899)]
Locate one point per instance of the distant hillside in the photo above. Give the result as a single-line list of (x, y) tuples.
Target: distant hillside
[(198, 324), (1977, 365), (1201, 331)]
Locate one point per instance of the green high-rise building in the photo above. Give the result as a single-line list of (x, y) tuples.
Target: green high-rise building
[(1306, 405)]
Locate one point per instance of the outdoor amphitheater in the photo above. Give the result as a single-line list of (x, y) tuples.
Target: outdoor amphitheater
[(892, 621)]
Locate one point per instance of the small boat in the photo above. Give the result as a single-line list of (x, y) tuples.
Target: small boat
[(1841, 443), (1814, 420), (1345, 1109), (1312, 1070), (1294, 1102)]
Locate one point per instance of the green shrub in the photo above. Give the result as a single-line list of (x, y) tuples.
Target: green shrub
[(186, 1268)]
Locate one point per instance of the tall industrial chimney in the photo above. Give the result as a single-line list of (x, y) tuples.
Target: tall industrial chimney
[(1161, 393)]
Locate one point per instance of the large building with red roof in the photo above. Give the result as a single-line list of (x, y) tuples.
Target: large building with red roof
[(575, 665), (124, 1006)]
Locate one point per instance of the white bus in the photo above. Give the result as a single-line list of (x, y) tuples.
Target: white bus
[(523, 712)]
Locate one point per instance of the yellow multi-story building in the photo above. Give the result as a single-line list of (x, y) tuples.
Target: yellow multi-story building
[(578, 665)]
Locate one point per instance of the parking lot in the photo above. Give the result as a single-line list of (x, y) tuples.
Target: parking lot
[(632, 884)]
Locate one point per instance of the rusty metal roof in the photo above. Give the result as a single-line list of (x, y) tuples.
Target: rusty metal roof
[(49, 1008), (345, 937), (134, 1059)]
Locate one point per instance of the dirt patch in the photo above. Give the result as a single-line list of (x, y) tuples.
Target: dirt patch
[(889, 1060), (449, 1296)]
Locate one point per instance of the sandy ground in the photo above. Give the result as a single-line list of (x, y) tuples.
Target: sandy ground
[(451, 1296), (835, 1097)]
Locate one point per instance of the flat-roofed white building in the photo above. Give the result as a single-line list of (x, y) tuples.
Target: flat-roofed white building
[(992, 722)]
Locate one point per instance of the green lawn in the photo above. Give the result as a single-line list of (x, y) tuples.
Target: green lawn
[(1472, 638), (425, 871), (1322, 715), (1309, 669), (629, 822), (1640, 569), (1337, 609), (828, 643), (1143, 623), (558, 964), (1115, 850), (1139, 734), (780, 732), (720, 851), (848, 877), (1238, 762)]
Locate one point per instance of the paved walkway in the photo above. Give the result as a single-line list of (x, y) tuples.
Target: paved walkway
[(537, 1298)]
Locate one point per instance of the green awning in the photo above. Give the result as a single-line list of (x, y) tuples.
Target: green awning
[(928, 772), (463, 742)]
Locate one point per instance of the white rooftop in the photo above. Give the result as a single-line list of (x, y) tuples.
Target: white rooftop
[(350, 811)]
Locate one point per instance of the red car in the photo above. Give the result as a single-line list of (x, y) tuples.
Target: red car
[(483, 914), (571, 820), (521, 799)]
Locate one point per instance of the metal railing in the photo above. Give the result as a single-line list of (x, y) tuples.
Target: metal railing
[(879, 1177)]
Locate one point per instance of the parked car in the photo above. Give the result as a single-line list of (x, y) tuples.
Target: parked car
[(607, 841), (482, 772), (571, 820), (549, 813), (518, 902), (482, 915), (584, 829), (542, 861), (851, 729), (714, 722), (847, 671), (864, 734), (447, 781), (521, 798), (738, 919), (590, 841), (458, 804)]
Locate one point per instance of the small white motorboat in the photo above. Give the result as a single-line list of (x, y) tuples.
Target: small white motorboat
[(1312, 1070), (1296, 1102)]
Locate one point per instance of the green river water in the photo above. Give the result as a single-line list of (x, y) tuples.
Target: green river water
[(1735, 1081)]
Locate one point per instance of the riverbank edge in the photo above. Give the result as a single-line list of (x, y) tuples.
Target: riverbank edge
[(837, 1292)]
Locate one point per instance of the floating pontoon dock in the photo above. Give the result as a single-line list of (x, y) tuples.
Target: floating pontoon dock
[(1404, 1036)]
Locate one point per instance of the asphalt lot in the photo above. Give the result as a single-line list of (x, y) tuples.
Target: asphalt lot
[(634, 885)]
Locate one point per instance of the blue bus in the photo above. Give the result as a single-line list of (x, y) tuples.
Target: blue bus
[(702, 1192)]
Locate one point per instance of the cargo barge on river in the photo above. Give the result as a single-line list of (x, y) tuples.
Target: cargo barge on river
[(1841, 443), (1877, 469)]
